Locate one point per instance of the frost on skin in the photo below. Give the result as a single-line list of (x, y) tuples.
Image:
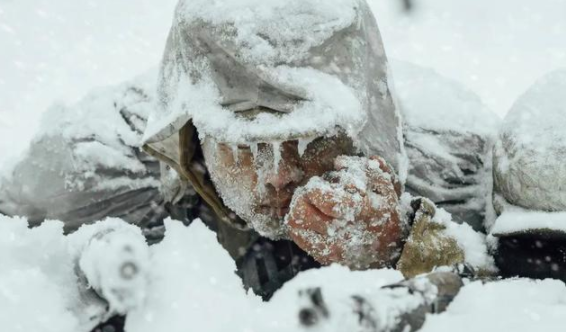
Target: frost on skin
[(349, 216), (258, 180)]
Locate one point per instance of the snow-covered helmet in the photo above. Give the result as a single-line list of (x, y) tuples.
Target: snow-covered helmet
[(314, 65)]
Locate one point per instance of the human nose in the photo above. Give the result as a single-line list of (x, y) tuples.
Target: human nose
[(287, 174)]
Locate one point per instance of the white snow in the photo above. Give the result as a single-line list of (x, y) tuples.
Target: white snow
[(519, 220), (114, 257), (518, 305), (269, 31), (39, 279), (330, 103), (36, 279), (473, 243), (537, 119), (192, 285), (433, 102)]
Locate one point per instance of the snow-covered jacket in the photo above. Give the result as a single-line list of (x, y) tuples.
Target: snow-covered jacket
[(449, 135), (85, 163)]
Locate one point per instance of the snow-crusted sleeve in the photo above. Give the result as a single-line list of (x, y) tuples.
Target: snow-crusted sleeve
[(85, 163), (448, 137)]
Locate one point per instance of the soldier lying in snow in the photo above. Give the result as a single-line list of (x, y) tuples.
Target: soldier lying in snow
[(295, 145)]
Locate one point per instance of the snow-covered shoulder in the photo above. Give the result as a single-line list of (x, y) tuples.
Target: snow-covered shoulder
[(433, 102)]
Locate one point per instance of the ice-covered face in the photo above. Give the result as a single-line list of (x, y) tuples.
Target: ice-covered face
[(257, 181)]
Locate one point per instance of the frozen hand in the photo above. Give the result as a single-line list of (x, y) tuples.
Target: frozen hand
[(349, 216)]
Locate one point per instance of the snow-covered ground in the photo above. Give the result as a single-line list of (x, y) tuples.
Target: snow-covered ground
[(185, 289)]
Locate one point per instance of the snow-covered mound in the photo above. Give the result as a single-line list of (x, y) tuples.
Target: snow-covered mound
[(448, 137), (529, 168), (192, 285), (36, 278), (42, 286), (519, 305)]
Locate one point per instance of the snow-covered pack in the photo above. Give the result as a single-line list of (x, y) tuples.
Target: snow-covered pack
[(86, 163), (529, 168)]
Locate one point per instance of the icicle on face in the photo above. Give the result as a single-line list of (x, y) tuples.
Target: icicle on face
[(276, 156), (234, 148), (254, 149), (303, 144)]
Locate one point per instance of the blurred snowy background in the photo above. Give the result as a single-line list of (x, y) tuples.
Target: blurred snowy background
[(57, 50)]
